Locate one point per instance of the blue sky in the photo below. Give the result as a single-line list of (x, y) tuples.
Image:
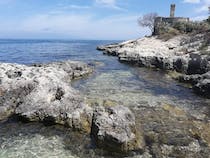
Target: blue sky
[(87, 19)]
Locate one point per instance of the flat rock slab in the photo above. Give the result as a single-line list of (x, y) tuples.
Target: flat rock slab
[(42, 92), (114, 129)]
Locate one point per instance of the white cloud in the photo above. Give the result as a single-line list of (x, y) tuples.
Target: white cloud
[(201, 10), (63, 8), (61, 22), (76, 7), (203, 6), (78, 26), (199, 18), (207, 1), (191, 1), (108, 3)]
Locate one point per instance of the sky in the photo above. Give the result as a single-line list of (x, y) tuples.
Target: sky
[(87, 19)]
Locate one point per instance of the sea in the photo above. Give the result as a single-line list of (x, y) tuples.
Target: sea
[(111, 80)]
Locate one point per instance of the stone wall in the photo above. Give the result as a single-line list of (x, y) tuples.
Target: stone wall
[(167, 22)]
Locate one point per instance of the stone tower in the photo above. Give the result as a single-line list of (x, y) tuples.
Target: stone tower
[(172, 11)]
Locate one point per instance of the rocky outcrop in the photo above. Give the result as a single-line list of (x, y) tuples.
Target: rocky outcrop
[(200, 83), (179, 53), (42, 92), (114, 129)]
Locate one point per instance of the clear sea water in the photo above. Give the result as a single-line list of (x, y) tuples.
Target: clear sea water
[(111, 80)]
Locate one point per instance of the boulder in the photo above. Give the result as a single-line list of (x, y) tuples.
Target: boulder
[(114, 129), (42, 92), (197, 64), (203, 88), (200, 83)]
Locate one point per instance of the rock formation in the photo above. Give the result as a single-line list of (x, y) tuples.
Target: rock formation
[(200, 83), (181, 53), (43, 93), (114, 129)]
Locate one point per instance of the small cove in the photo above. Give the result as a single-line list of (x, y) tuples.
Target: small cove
[(143, 90)]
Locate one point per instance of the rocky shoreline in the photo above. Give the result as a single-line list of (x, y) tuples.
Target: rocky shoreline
[(42, 93), (181, 54)]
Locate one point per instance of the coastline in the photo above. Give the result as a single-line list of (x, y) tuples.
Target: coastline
[(151, 119), (42, 93), (181, 54)]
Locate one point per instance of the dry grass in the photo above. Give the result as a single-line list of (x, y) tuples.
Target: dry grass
[(169, 34)]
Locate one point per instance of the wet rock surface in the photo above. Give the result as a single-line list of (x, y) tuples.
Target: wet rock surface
[(42, 92), (114, 129)]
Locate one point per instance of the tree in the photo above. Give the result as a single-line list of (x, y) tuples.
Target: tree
[(148, 20)]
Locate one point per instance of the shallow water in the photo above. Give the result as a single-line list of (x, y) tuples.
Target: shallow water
[(119, 83), (134, 87)]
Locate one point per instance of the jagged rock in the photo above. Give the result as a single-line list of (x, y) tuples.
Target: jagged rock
[(179, 53), (200, 83), (43, 93), (114, 129), (197, 64), (203, 87)]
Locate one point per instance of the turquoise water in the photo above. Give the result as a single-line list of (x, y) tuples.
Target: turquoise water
[(120, 83)]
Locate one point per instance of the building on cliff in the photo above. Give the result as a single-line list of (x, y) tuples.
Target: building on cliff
[(167, 21)]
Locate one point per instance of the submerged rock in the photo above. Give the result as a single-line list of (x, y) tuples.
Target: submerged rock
[(43, 93), (114, 129)]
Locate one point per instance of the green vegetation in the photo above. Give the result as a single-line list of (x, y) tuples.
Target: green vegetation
[(167, 32), (192, 27)]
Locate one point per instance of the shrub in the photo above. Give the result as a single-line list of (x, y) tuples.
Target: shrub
[(170, 33), (191, 27), (181, 26)]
